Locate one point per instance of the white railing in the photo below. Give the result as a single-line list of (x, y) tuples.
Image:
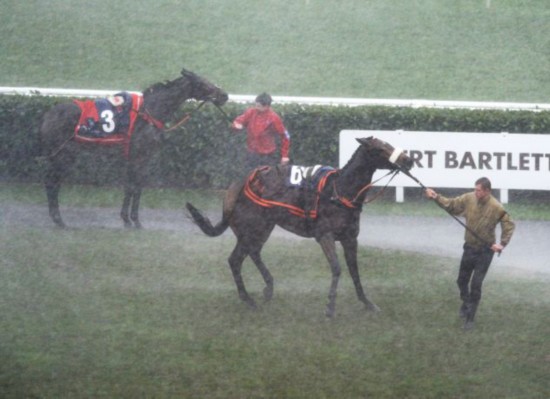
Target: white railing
[(352, 102)]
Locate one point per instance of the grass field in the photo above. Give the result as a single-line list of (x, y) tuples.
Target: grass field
[(137, 314), (108, 313), (430, 49), (532, 207)]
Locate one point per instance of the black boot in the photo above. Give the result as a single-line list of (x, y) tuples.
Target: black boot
[(463, 312), (470, 315)]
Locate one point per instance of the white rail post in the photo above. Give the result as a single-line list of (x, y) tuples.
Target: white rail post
[(399, 194), (504, 196)]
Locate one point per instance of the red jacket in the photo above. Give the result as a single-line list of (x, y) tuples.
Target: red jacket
[(262, 128)]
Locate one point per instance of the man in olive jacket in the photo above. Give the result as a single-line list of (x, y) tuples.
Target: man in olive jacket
[(482, 212)]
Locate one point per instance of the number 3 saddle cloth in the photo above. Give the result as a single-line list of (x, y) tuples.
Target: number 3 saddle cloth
[(108, 120)]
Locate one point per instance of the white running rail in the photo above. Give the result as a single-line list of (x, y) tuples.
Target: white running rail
[(335, 101)]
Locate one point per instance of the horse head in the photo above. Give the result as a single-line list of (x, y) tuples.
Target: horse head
[(385, 156), (163, 99), (203, 90)]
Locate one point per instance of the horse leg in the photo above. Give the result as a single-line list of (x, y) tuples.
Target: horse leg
[(54, 176), (128, 194), (132, 195), (126, 206), (350, 253), (236, 260), (52, 192), (255, 243), (134, 212), (329, 248), (268, 278)]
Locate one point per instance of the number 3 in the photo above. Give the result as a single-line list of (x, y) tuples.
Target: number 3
[(108, 124)]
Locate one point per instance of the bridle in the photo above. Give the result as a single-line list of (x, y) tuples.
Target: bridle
[(146, 114), (355, 203), (147, 117)]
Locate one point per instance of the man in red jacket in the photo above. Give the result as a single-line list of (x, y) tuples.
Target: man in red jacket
[(263, 125)]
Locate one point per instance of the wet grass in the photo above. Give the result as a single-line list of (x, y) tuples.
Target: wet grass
[(535, 207), (103, 196), (129, 314), (370, 49)]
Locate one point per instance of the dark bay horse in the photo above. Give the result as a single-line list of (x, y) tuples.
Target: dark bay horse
[(253, 208), (159, 103)]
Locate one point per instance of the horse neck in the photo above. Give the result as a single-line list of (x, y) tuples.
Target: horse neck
[(356, 175), (351, 180), (163, 103)]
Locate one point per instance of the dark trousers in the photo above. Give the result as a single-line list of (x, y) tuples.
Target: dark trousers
[(473, 268), (253, 160)]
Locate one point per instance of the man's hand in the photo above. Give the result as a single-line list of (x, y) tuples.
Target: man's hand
[(497, 248), (284, 160), (431, 194), (237, 126)]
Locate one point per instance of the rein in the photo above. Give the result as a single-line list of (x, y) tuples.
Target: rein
[(147, 117), (379, 193), (353, 203), (51, 156), (485, 242), (227, 118)]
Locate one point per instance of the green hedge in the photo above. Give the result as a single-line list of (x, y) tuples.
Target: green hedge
[(205, 153)]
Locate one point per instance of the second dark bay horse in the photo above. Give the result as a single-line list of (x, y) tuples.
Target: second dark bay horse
[(156, 106), (329, 214)]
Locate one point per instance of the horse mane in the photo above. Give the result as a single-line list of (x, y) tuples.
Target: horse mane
[(159, 85), (354, 158), (357, 165), (162, 98)]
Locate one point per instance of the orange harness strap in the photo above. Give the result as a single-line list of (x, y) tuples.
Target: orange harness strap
[(353, 202), (294, 210)]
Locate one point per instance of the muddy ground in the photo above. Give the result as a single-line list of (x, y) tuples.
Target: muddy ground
[(528, 254)]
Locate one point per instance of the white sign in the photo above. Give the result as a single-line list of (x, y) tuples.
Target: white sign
[(446, 159)]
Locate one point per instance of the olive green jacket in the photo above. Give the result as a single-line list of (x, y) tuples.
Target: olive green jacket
[(481, 216)]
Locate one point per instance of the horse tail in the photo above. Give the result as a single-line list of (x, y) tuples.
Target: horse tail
[(205, 224)]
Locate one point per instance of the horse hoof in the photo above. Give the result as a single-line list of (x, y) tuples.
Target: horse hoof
[(56, 218), (249, 302), (60, 224), (138, 225), (371, 307), (268, 294), (329, 312), (469, 325), (463, 312)]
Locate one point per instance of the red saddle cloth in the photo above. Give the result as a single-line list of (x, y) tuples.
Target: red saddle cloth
[(108, 121)]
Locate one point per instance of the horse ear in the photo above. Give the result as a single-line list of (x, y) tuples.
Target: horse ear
[(364, 140), (191, 76)]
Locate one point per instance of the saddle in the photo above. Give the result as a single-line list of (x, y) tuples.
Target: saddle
[(293, 187), (108, 120)]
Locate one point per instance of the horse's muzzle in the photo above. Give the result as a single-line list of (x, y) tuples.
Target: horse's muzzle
[(408, 164), (220, 99), (401, 160)]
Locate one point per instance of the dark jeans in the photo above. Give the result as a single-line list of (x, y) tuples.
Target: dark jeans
[(253, 160), (473, 268)]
